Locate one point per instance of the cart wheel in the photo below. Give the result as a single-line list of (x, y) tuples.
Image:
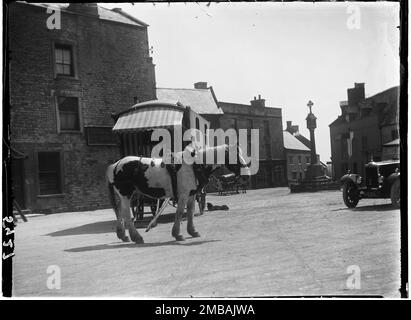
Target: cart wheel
[(351, 195), (396, 193)]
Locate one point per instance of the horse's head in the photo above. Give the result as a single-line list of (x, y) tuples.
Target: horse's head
[(239, 167)]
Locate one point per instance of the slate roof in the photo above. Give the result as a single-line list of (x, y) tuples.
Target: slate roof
[(200, 100), (104, 13), (292, 143), (303, 140)]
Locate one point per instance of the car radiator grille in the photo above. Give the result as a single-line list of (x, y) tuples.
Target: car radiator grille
[(371, 174)]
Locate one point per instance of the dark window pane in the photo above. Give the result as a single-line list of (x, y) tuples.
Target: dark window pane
[(68, 112), (59, 68), (63, 59), (59, 55), (66, 69), (49, 172), (67, 56)]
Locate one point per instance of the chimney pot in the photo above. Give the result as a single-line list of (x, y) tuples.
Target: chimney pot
[(200, 85)]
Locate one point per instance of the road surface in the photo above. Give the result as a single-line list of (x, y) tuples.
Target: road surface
[(269, 243)]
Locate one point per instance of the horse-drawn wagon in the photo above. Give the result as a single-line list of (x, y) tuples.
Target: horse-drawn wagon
[(135, 127), (228, 184)]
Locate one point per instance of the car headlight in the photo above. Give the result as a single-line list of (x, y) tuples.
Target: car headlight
[(359, 180)]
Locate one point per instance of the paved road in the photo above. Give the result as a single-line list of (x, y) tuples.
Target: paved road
[(269, 243)]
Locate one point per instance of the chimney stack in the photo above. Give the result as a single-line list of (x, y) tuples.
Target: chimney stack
[(291, 128), (259, 103), (356, 94), (84, 8), (200, 85)]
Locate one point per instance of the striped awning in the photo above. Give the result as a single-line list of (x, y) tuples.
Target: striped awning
[(149, 118)]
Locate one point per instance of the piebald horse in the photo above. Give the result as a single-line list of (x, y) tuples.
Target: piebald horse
[(151, 177)]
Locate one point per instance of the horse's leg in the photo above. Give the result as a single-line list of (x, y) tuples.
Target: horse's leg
[(175, 232), (121, 231), (116, 205), (125, 214), (190, 217)]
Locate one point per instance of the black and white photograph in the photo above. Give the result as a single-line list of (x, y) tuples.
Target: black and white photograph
[(204, 150)]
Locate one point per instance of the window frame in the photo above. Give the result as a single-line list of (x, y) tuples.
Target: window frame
[(61, 174), (72, 46), (68, 94)]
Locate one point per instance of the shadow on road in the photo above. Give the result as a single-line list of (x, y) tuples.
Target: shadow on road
[(90, 228), (134, 245), (107, 226), (381, 207)]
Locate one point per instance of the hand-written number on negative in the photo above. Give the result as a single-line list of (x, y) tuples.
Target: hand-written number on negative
[(8, 256), (8, 220), (8, 243), (9, 232)]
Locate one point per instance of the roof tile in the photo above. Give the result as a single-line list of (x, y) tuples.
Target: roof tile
[(200, 100)]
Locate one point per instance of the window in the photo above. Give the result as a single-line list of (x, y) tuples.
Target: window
[(49, 172), (294, 175), (299, 159), (290, 159), (68, 113), (64, 59), (307, 159)]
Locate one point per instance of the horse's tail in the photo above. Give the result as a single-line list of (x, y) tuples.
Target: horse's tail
[(111, 196)]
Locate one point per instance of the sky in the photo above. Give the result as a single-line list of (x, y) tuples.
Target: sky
[(289, 53)]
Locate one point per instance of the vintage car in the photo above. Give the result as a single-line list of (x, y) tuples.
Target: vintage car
[(382, 180)]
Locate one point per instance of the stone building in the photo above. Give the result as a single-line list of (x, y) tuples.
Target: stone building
[(298, 157), (272, 164), (363, 128), (298, 153), (64, 83)]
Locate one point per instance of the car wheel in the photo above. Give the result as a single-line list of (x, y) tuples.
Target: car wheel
[(396, 193), (351, 195)]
